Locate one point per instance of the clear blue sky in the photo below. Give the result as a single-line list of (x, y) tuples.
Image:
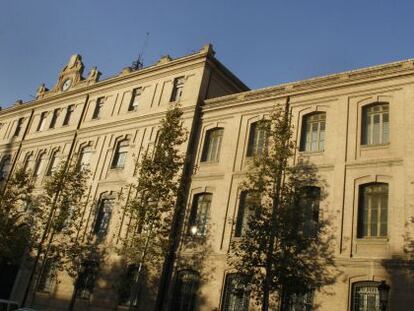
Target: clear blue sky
[(263, 42)]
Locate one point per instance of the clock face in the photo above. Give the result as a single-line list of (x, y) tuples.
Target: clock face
[(66, 85)]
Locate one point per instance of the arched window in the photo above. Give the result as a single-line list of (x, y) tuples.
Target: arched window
[(246, 209), (313, 132), (120, 154), (212, 145), (257, 139), (199, 215), (236, 294), (28, 162), (39, 165), (103, 217), (365, 296), (5, 166), (185, 291), (373, 210), (84, 157), (53, 163), (375, 124)]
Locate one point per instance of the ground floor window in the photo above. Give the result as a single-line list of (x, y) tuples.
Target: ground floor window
[(236, 293), (365, 296), (298, 301)]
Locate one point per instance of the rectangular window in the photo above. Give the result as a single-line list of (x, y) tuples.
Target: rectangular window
[(365, 296), (257, 139), (212, 145), (48, 278), (309, 199), (18, 127), (42, 121), (177, 89), (236, 294), (86, 280), (103, 217), (373, 211), (246, 209), (98, 108), (55, 116), (69, 110), (53, 163), (375, 126), (135, 98), (298, 301), (313, 132), (200, 212), (121, 152)]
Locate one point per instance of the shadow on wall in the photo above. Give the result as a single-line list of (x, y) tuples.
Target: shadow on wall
[(195, 249), (400, 270)]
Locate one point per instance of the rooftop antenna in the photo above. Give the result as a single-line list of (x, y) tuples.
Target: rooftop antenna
[(139, 62)]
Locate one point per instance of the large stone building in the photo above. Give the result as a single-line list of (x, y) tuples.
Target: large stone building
[(356, 127)]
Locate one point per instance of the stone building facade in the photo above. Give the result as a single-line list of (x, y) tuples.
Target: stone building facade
[(355, 126)]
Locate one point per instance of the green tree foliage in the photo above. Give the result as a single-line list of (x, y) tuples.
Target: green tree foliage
[(155, 195), (285, 249), (65, 241), (18, 217)]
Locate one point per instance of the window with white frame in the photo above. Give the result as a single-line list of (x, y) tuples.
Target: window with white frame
[(212, 145), (365, 296), (69, 111), (19, 126), (98, 108), (47, 279), (103, 217), (53, 163), (55, 116), (313, 132), (177, 90), (120, 154), (375, 124), (185, 291), (200, 212), (86, 280), (257, 139), (39, 165), (298, 301), (42, 121), (5, 165), (135, 99), (308, 203), (84, 157), (236, 294), (246, 210), (373, 210), (28, 162)]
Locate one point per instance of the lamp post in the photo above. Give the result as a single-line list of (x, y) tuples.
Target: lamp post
[(383, 290)]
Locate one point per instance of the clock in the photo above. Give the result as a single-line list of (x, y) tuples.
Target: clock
[(66, 84)]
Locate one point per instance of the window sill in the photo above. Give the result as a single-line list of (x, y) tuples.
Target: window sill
[(115, 168), (209, 163), (376, 146), (372, 241), (311, 153)]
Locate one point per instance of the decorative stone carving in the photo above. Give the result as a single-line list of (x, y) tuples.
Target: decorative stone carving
[(125, 71), (164, 59), (93, 75), (41, 90)]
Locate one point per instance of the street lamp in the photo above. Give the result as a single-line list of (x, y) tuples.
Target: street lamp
[(383, 290)]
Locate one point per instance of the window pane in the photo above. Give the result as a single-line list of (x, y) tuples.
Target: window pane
[(313, 133), (365, 296), (212, 145), (236, 293), (185, 291), (373, 210)]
